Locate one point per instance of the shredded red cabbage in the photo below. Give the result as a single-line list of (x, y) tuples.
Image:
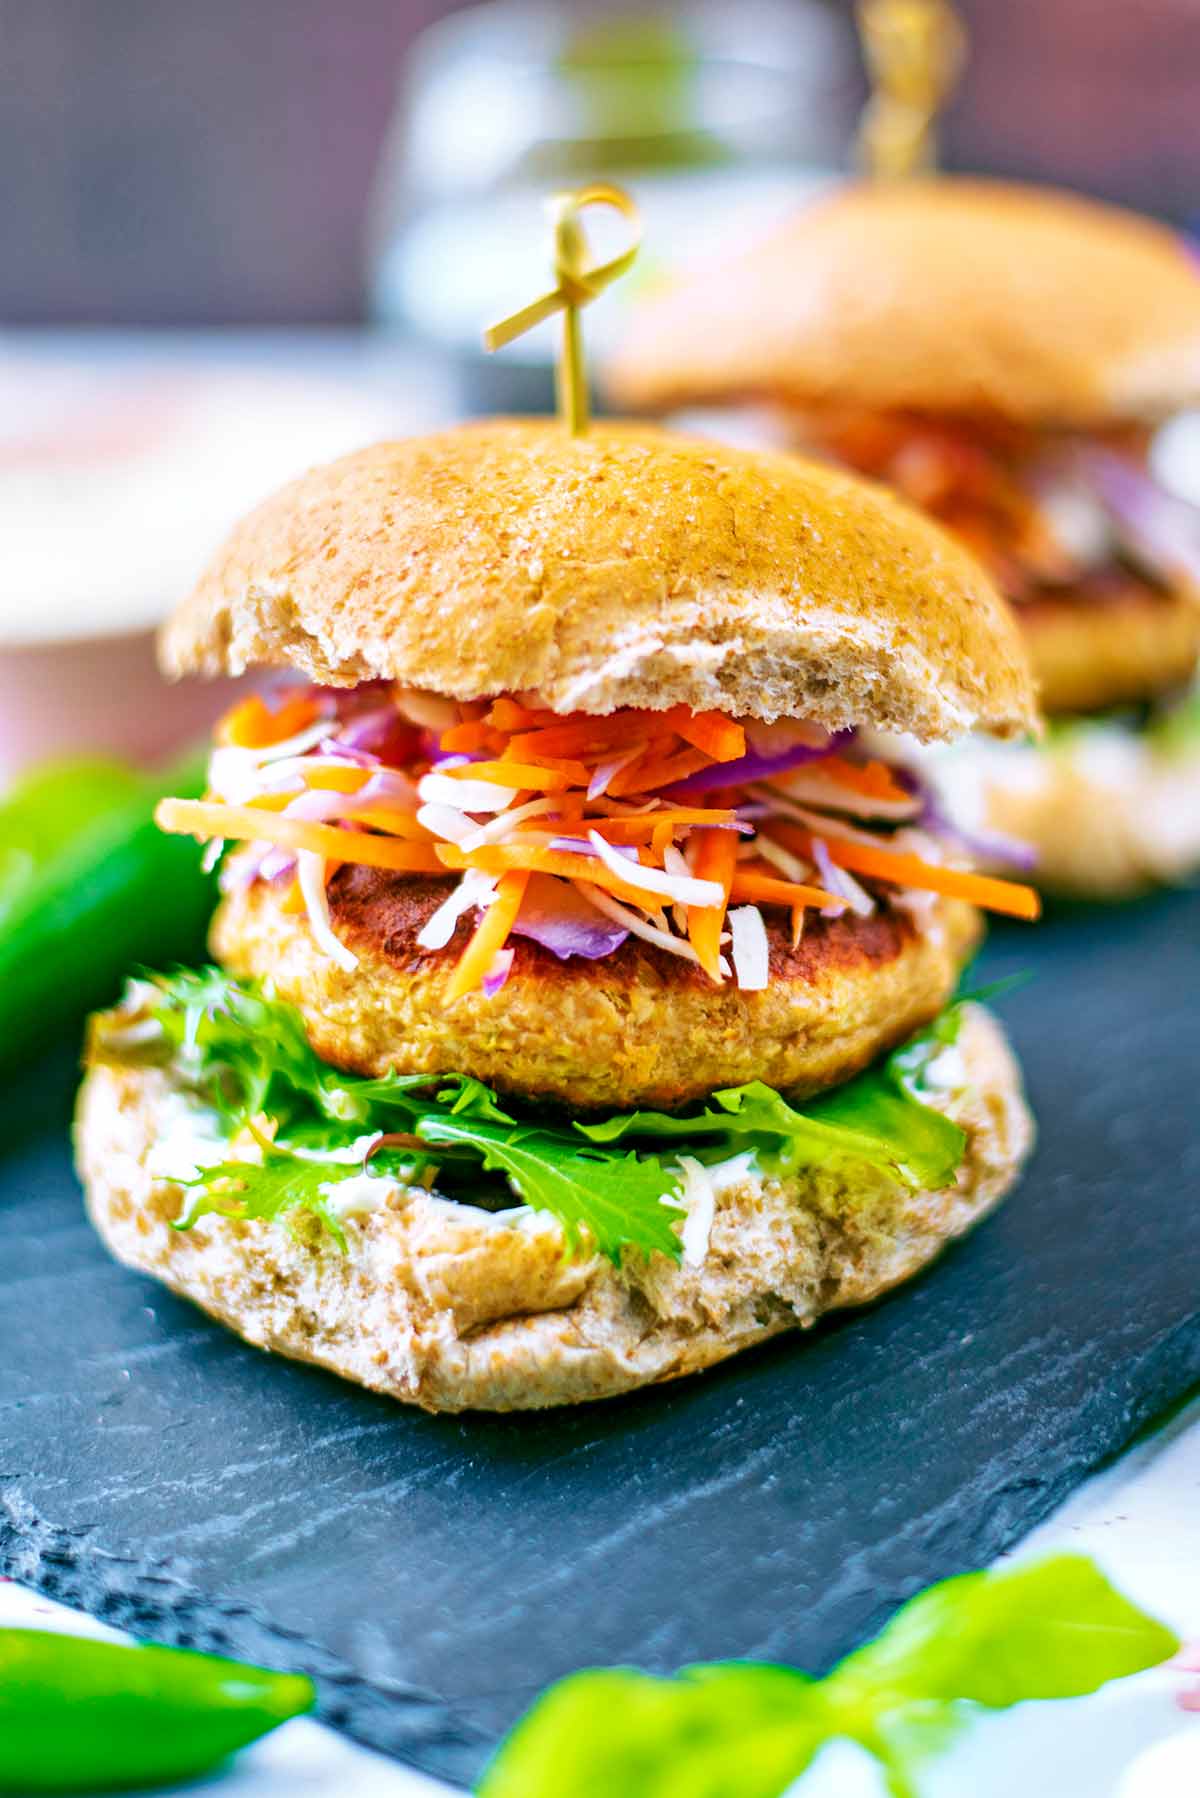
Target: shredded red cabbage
[(982, 845), (581, 846), (1156, 524), (754, 767), (381, 732), (559, 917), (498, 973)]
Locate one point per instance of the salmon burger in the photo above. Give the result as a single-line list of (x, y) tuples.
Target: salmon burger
[(583, 1007), (1006, 358)]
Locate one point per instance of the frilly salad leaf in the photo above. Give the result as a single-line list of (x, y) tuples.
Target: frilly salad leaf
[(1050, 1629), (277, 1188), (246, 1055), (880, 1119)]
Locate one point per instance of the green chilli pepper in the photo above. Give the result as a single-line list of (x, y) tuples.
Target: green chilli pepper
[(81, 1715), (88, 887)]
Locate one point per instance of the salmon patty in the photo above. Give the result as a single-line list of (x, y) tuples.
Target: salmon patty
[(640, 1027), (1113, 640)]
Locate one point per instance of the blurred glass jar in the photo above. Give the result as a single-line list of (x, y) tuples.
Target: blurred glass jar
[(719, 117)]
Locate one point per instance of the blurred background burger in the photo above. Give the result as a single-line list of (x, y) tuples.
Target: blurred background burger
[(1005, 357)]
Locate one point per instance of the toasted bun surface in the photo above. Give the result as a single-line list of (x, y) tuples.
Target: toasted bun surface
[(1109, 815), (641, 1028), (950, 295), (625, 567), (445, 1306)]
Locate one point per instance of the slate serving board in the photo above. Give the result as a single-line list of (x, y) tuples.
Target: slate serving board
[(434, 1574)]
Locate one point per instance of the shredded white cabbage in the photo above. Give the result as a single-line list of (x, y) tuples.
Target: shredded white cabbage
[(465, 795), (609, 770), (501, 828), (310, 871), (792, 867), (679, 889), (702, 1187), (639, 926), (446, 821), (475, 888), (843, 885), (750, 951), (700, 1197), (236, 774), (819, 789), (820, 822)]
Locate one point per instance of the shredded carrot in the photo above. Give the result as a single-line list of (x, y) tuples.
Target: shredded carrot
[(268, 802), (520, 774), (293, 899), (199, 818), (253, 725), (874, 780), (501, 858), (507, 715), (578, 774), (719, 737), (244, 725), (660, 841), (1007, 896), (644, 824), (334, 777), (767, 889), (466, 738), (490, 936), (583, 736), (392, 819), (716, 859), (650, 776)]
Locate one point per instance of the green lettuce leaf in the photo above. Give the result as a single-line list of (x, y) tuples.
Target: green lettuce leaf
[(617, 1198), (247, 1055), (277, 1189), (250, 1058), (879, 1118), (1044, 1630)]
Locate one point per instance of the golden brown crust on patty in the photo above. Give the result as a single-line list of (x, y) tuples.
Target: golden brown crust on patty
[(640, 1027), (444, 1306), (1114, 640), (956, 295), (629, 566)]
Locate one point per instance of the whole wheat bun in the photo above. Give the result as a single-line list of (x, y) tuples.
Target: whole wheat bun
[(627, 567), (1108, 813), (949, 295), (445, 1306)]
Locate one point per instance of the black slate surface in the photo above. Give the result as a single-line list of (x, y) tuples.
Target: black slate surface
[(435, 1573)]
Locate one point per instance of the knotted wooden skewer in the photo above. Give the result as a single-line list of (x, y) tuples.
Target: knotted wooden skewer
[(914, 51), (576, 286)]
